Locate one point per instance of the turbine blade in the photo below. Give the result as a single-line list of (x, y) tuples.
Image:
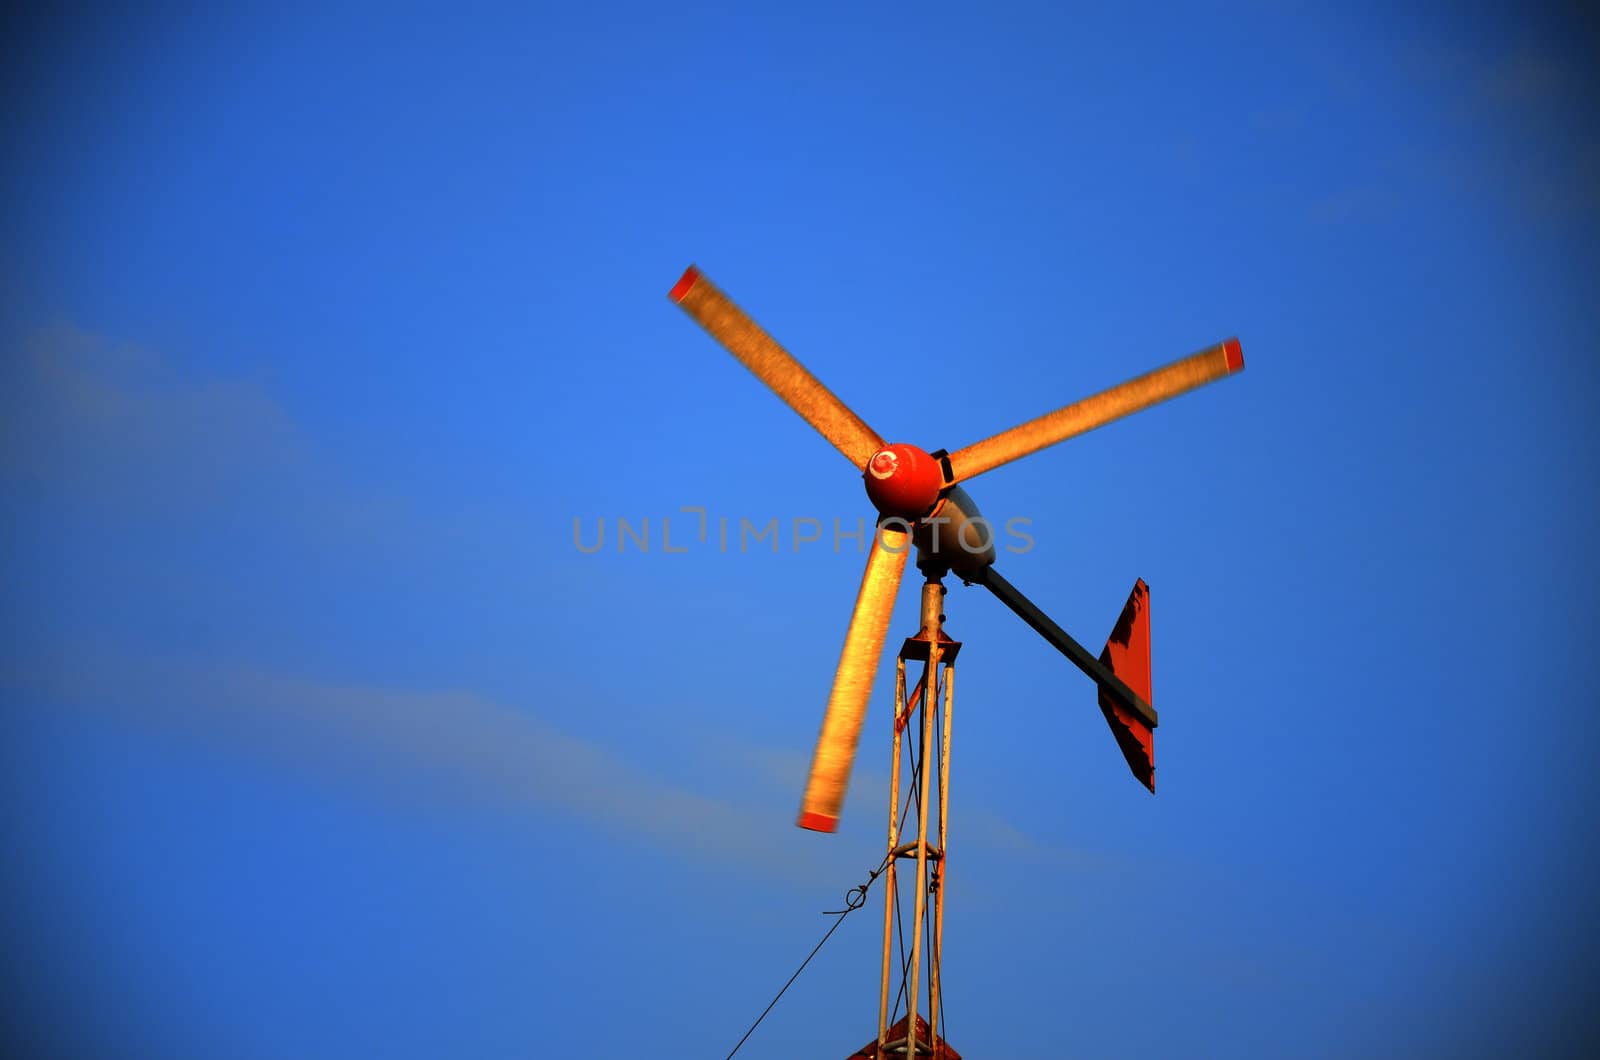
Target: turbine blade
[(852, 684), (776, 367), (1080, 417)]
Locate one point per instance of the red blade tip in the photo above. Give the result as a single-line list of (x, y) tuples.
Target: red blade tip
[(680, 290), (1234, 354), (818, 822)]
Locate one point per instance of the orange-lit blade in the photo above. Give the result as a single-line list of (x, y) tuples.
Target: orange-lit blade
[(1176, 378), (852, 685), (776, 367)]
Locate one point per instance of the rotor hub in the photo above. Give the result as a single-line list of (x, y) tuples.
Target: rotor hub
[(903, 481)]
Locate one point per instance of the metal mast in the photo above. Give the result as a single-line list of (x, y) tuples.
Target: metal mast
[(930, 757)]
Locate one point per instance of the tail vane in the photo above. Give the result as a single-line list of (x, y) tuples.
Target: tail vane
[(1127, 655)]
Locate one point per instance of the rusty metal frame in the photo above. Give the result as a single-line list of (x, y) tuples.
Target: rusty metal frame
[(936, 690)]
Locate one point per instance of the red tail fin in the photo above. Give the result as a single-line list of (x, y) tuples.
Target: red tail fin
[(1128, 655)]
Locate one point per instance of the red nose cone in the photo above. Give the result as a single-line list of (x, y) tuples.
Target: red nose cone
[(903, 480)]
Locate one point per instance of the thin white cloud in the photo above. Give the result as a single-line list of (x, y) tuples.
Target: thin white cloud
[(112, 421), (412, 750), (115, 425), (85, 411), (426, 751)]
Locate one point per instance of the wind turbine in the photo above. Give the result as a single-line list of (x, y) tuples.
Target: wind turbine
[(920, 502)]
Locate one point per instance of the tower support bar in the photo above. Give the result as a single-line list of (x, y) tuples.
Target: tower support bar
[(922, 839)]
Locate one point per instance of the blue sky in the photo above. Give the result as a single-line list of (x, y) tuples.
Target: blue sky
[(322, 739)]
